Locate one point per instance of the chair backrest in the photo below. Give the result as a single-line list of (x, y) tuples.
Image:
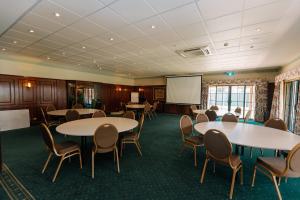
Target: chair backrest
[(193, 107), (201, 117), (77, 106), (276, 123), (217, 145), (123, 106), (106, 136), (98, 114), (147, 107), (44, 116), (47, 137), (50, 107), (186, 126), (129, 115), (141, 123), (211, 114), (247, 116), (293, 159), (229, 117), (72, 115), (154, 107), (103, 107), (214, 108), (238, 110)]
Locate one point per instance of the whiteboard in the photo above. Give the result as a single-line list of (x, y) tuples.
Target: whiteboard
[(134, 97), (184, 89), (14, 119)]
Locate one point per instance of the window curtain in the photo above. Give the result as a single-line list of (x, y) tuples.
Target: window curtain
[(297, 125), (275, 101), (261, 89)]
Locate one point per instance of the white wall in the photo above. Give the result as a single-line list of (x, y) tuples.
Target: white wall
[(32, 68)]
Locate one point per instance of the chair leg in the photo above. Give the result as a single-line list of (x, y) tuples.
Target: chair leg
[(232, 184), (93, 164), (251, 152), (204, 170), (261, 151), (47, 162), (121, 153), (214, 167), (276, 187), (138, 148), (279, 181), (58, 168), (117, 156), (253, 176), (80, 160), (195, 156)]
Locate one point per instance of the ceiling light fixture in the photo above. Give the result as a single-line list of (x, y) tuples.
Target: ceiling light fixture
[(84, 47), (111, 39), (48, 58), (258, 29), (31, 31), (153, 27), (57, 14), (15, 42), (3, 49)]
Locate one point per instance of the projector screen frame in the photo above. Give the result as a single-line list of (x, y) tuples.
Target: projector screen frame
[(176, 76)]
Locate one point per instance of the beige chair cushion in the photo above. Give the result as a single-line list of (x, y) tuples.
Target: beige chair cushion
[(66, 147), (130, 136), (276, 165)]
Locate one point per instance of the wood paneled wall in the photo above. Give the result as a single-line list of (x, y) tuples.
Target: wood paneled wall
[(15, 95)]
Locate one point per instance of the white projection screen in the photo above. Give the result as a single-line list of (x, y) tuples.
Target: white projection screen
[(184, 89)]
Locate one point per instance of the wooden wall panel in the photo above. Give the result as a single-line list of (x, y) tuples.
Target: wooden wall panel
[(7, 91), (61, 94)]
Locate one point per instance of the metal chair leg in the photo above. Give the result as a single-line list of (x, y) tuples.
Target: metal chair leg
[(253, 176), (58, 168), (276, 187), (117, 156), (232, 184), (138, 148), (195, 156), (47, 162), (203, 170), (93, 164)]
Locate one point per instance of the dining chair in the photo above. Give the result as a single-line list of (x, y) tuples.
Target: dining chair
[(214, 107), (105, 141), (190, 141), (50, 107), (153, 109), (63, 150), (247, 116), (277, 167), (133, 138), (77, 106), (129, 115), (48, 122), (192, 108), (201, 117), (238, 110), (219, 149), (147, 110), (72, 115), (98, 114), (229, 117), (211, 114), (277, 124), (121, 111)]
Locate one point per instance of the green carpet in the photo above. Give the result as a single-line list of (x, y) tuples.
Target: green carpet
[(161, 173)]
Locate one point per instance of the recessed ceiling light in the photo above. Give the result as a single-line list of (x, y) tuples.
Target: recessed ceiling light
[(63, 53), (48, 58), (84, 47), (31, 31), (153, 27), (57, 14), (111, 39), (258, 29), (3, 49), (15, 42)]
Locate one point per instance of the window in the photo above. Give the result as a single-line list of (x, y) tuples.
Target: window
[(89, 95), (291, 100), (228, 97)]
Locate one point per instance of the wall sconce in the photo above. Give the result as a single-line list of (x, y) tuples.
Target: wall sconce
[(125, 89), (141, 89), (28, 85), (118, 89)]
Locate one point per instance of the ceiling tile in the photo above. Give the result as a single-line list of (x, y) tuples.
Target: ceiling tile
[(224, 23), (72, 34), (256, 3), (226, 35), (133, 10), (88, 28), (129, 32), (220, 8), (164, 5), (80, 7)]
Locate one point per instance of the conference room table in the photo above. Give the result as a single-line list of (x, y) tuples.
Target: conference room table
[(81, 111), (252, 135), (86, 127)]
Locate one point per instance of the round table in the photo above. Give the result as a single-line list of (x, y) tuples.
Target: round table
[(252, 135), (82, 111), (87, 127), (135, 106)]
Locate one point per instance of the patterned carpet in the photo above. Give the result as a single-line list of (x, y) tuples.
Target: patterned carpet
[(161, 173)]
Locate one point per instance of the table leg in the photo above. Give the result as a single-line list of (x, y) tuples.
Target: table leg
[(83, 148)]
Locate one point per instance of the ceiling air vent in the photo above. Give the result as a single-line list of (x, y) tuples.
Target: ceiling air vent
[(194, 52)]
